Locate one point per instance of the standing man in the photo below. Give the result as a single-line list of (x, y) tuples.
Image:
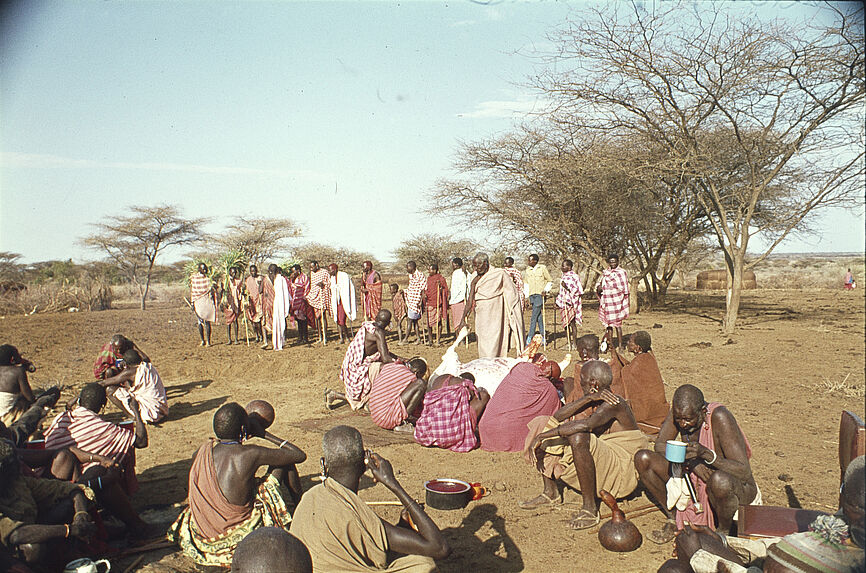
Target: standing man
[(569, 301), (459, 291), (233, 303), (498, 317), (201, 294), (343, 303), (414, 298), (282, 305), (612, 289), (301, 309), (254, 289), (371, 286), (437, 302), (539, 282), (320, 296), (517, 278)]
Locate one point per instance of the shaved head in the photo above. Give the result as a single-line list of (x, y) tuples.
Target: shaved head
[(343, 447), (383, 317), (643, 339), (229, 420), (269, 549), (596, 371), (688, 398), (589, 342)]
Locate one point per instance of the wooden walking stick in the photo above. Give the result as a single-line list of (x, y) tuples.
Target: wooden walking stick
[(438, 318), (544, 319), (244, 304), (554, 325)]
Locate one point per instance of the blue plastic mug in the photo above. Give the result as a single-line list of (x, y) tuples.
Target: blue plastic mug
[(675, 451)]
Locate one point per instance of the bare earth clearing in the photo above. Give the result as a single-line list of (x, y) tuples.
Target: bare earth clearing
[(796, 362)]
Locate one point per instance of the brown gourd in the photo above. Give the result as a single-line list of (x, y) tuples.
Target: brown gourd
[(618, 534)]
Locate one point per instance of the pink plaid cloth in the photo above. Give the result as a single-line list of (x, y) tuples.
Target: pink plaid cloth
[(355, 365), (415, 291), (517, 277), (446, 419), (199, 286), (320, 297), (570, 297), (613, 302), (298, 290)]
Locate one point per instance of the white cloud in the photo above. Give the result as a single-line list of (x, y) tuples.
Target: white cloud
[(47, 161), (504, 108)]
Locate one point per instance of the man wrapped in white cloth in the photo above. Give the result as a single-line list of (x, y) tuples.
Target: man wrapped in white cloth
[(139, 379), (343, 303), (282, 306)]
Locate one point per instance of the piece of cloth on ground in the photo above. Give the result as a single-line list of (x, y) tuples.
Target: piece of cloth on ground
[(641, 384), (344, 534), (386, 408), (149, 392), (209, 529), (447, 420), (106, 359), (706, 439), (354, 371), (522, 396), (87, 431), (612, 453), (498, 316), (613, 302)]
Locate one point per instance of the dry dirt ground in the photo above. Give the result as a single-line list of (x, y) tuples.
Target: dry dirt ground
[(796, 362)]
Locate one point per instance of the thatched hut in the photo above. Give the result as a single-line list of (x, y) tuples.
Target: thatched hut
[(718, 280)]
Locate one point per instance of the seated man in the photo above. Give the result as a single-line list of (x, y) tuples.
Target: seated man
[(396, 394), (37, 515), (16, 396), (110, 359), (365, 355), (269, 549), (833, 542), (526, 393), (138, 378), (587, 347), (343, 533), (449, 417), (717, 461), (641, 382), (591, 454), (80, 426), (226, 501)]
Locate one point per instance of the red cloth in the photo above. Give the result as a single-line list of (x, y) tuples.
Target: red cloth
[(299, 288), (522, 395), (199, 286), (517, 278), (398, 306), (386, 408), (569, 298), (268, 294), (415, 291), (640, 382), (320, 296), (353, 372), (373, 295), (254, 308), (107, 358), (87, 431), (437, 290), (705, 439), (212, 512), (447, 420), (613, 302), (233, 300)]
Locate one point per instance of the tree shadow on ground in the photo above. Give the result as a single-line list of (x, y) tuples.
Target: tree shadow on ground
[(177, 390), (711, 306), (181, 410), (469, 553)]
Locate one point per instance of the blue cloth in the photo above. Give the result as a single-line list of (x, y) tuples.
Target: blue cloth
[(537, 302)]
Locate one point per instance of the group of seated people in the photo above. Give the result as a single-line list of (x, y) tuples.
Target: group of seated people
[(55, 486)]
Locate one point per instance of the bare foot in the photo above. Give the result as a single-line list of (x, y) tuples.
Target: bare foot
[(584, 519)]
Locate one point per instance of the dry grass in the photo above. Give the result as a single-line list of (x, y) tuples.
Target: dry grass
[(840, 387)]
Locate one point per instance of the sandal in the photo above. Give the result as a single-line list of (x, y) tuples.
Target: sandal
[(330, 399), (405, 427), (665, 534), (584, 519), (539, 501)]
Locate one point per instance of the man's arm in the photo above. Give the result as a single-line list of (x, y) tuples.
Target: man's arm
[(615, 357), (125, 375), (668, 431), (140, 428), (428, 540), (288, 454), (572, 408), (80, 527), (382, 347), (602, 416), (24, 385), (730, 454)]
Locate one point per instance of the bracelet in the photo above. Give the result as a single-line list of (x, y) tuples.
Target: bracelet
[(80, 512), (91, 457), (712, 461), (66, 536), (284, 443)]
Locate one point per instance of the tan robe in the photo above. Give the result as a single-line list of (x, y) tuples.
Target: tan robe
[(498, 316), (344, 534), (612, 453)]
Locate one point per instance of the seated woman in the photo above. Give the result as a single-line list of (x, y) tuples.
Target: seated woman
[(449, 418)]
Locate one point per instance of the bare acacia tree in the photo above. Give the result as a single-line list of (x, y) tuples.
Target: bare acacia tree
[(430, 248), (258, 238), (135, 241), (764, 120), (348, 260)]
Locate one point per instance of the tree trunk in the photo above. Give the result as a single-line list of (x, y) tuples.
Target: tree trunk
[(735, 289), (633, 307)]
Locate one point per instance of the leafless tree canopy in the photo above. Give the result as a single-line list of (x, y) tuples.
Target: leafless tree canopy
[(258, 238), (135, 241), (431, 248), (348, 260)]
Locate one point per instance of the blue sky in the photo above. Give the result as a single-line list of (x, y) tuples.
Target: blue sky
[(340, 116)]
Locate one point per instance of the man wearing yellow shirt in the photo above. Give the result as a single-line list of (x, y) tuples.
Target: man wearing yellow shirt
[(538, 282)]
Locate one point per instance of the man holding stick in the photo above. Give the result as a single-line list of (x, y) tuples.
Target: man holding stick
[(436, 303), (254, 289), (201, 295), (569, 301)]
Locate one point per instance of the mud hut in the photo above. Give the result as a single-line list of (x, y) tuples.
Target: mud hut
[(718, 280)]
